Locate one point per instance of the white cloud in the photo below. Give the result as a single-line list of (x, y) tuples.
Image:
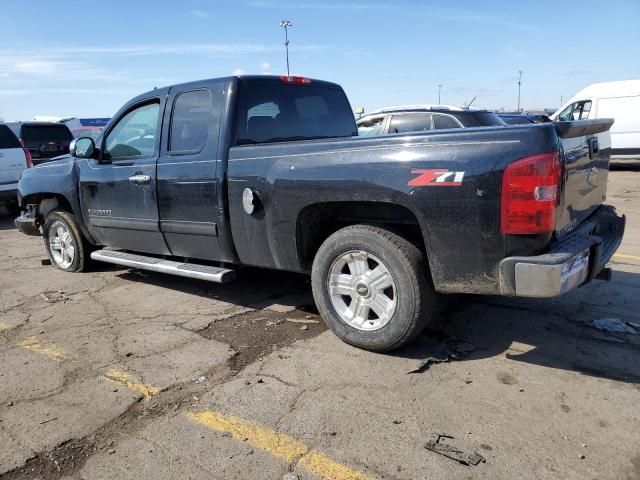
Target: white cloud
[(239, 71), (265, 65), (199, 14)]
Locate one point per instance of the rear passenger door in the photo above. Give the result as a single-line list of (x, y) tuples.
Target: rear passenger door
[(188, 184)]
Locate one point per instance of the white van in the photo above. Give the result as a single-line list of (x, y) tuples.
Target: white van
[(617, 100)]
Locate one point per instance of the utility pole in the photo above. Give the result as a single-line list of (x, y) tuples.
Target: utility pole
[(286, 24), (439, 91), (519, 83)]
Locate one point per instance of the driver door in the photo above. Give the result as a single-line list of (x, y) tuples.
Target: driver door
[(118, 190)]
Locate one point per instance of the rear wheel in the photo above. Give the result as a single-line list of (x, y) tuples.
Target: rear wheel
[(371, 287), (65, 245)]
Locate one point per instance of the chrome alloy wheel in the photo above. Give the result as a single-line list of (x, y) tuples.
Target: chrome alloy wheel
[(61, 244), (362, 290)]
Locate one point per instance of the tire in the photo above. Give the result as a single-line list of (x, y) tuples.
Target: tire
[(13, 209), (56, 226), (377, 309)]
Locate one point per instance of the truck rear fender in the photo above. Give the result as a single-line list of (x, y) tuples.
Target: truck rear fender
[(316, 222)]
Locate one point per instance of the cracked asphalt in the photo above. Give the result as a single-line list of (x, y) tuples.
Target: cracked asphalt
[(123, 374)]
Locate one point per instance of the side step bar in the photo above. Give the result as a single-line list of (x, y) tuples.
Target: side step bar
[(190, 270)]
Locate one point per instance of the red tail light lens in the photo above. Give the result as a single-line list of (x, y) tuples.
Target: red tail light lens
[(530, 188), (296, 80), (27, 154)]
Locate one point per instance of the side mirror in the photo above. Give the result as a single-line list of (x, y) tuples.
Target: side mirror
[(82, 147)]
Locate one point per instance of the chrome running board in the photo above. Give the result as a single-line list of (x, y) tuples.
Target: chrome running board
[(190, 270)]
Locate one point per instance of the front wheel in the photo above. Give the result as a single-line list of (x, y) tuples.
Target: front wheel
[(372, 287), (65, 245)]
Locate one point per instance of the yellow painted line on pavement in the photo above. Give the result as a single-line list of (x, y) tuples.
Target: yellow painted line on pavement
[(625, 256), (277, 444), (50, 350), (123, 378)]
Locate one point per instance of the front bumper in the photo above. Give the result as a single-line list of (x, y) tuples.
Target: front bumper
[(27, 223), (571, 262)]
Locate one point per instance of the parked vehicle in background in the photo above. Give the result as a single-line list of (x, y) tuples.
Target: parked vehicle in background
[(522, 118), (43, 140), (14, 159), (421, 118), (269, 172), (618, 100), (85, 127)]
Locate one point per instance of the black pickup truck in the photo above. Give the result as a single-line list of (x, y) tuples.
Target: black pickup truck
[(201, 178)]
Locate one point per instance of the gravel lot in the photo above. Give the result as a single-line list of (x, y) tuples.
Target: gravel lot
[(124, 374)]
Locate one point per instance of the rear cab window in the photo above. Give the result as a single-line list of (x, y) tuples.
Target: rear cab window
[(8, 139), (276, 111)]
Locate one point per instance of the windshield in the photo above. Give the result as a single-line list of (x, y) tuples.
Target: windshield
[(280, 112)]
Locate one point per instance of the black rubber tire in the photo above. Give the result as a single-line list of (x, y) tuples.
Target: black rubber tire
[(81, 260), (13, 208), (408, 267)]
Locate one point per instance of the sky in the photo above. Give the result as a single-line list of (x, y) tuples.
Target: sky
[(85, 59)]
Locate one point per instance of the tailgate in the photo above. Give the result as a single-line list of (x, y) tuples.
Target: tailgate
[(586, 147)]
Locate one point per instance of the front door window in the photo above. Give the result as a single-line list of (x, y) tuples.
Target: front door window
[(135, 134)]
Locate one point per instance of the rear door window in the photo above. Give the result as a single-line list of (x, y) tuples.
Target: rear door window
[(412, 122), (190, 122), (442, 122), (280, 112), (7, 138)]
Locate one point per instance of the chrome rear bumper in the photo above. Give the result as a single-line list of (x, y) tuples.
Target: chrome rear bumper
[(571, 262)]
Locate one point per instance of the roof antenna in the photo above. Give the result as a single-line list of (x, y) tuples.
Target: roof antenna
[(472, 100)]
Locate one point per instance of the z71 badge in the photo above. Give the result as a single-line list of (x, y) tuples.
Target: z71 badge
[(436, 178)]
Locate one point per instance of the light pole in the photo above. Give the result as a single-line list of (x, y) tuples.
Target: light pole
[(520, 72), (439, 90), (286, 24)]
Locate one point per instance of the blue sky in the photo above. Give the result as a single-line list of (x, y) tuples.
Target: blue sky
[(84, 58)]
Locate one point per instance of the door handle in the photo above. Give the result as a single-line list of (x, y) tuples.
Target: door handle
[(139, 179), (594, 147)]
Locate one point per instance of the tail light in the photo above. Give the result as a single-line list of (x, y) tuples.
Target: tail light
[(27, 154), (530, 193), (296, 80)]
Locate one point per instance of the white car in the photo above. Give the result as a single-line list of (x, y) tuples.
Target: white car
[(618, 100), (14, 159)]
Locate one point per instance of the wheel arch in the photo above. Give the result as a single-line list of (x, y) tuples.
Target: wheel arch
[(316, 222)]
